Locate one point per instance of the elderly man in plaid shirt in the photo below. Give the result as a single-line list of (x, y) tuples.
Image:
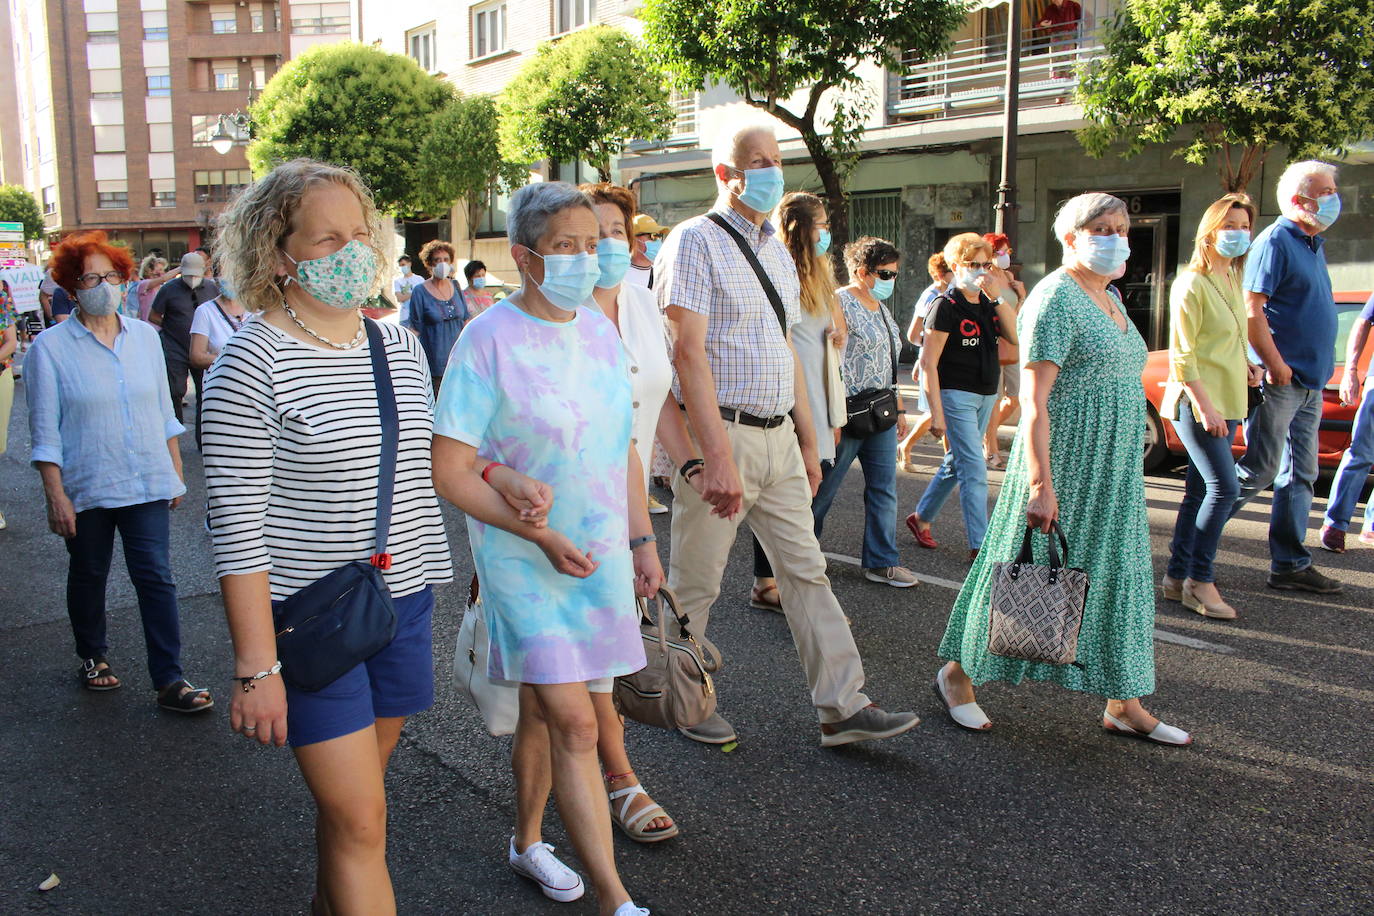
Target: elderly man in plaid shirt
[(738, 378)]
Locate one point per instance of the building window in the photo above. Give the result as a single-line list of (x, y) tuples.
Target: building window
[(226, 76), (102, 38), (109, 138), (420, 45), (319, 19), (262, 17), (260, 72), (489, 30), (494, 217), (224, 19), (159, 81), (164, 192), (112, 195), (684, 105), (155, 25), (160, 139), (105, 84), (219, 185), (103, 24), (49, 200), (573, 14)]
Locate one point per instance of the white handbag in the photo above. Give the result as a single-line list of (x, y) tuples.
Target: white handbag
[(835, 390), (498, 702)]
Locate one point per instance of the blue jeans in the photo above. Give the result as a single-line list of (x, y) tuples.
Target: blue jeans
[(1281, 448), (1209, 493), (966, 418), (877, 456), (1354, 469), (145, 532)]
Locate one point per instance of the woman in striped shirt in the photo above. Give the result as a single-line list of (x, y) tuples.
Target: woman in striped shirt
[(292, 440)]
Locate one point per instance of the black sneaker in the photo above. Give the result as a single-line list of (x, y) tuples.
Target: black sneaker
[(1305, 580)]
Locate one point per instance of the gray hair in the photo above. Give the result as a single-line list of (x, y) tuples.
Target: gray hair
[(1082, 210), (527, 217), (148, 263), (1295, 176), (728, 141)]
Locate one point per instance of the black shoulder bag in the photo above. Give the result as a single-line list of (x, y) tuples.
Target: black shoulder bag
[(875, 410), (340, 621)]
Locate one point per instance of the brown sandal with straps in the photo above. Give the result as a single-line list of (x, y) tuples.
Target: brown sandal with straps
[(766, 599)]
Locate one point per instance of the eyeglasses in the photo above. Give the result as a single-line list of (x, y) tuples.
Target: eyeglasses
[(886, 274), (89, 281), (981, 265)]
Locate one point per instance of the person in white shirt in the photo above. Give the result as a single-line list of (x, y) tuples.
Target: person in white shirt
[(212, 325), (402, 286)]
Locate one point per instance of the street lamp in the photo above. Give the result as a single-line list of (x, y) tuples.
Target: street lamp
[(223, 139)]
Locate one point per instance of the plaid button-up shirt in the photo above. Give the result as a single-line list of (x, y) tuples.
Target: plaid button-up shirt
[(702, 270)]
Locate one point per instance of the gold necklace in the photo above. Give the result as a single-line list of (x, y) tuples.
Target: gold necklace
[(355, 342)]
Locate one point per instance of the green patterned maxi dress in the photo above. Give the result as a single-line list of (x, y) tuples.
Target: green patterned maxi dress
[(1097, 428)]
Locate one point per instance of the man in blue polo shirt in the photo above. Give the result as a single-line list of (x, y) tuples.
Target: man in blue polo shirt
[(1292, 325)]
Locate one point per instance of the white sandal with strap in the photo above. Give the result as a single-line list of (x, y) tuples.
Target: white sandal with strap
[(634, 825)]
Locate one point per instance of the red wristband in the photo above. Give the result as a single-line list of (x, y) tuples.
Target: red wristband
[(488, 469)]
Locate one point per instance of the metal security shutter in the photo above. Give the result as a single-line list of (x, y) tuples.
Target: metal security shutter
[(877, 214)]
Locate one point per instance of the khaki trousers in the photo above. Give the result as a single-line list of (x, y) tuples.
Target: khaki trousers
[(777, 505)]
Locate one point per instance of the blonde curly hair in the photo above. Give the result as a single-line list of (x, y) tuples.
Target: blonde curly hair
[(255, 226)]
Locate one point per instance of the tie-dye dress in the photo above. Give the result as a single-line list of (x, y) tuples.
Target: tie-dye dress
[(551, 400)]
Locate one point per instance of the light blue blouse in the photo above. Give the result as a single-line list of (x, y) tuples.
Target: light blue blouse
[(868, 351), (103, 415)]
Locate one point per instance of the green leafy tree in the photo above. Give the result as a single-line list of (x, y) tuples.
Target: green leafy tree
[(1234, 78), (352, 105), (17, 205), (583, 98), (460, 161), (769, 51)]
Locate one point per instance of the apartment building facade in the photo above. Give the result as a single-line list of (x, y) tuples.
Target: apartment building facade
[(932, 144), (117, 103)]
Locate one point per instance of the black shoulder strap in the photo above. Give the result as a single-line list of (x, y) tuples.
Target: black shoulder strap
[(768, 289), (891, 343), (386, 413)]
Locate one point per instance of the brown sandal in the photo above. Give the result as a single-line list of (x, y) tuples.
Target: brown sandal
[(766, 599)]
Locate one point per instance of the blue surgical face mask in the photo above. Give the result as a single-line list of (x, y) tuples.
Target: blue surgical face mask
[(762, 188), (1102, 254), (479, 282), (613, 259), (226, 289), (882, 289), (1232, 243), (405, 270), (652, 247), (1328, 209), (823, 243), (568, 278)]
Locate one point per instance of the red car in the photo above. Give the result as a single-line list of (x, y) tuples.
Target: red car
[(1334, 436)]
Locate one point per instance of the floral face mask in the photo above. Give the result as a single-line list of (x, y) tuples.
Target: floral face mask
[(342, 280)]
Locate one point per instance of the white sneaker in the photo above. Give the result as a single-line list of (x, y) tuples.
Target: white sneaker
[(896, 576), (539, 864), (628, 908), (3, 523), (656, 507)]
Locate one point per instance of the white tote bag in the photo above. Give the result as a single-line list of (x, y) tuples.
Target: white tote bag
[(835, 392), (498, 702)]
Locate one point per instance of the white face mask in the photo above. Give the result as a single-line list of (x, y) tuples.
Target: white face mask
[(192, 282), (442, 270), (1003, 261)]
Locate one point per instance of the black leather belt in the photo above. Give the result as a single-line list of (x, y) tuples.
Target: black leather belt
[(731, 415)]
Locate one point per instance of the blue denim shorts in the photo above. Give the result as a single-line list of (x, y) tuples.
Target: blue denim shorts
[(397, 681)]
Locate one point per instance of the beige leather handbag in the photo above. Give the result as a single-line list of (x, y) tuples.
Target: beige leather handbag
[(674, 690)]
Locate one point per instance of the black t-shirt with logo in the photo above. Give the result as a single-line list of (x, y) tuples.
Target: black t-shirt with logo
[(969, 359)]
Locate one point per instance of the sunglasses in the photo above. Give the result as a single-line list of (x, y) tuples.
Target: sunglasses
[(886, 274), (981, 265)]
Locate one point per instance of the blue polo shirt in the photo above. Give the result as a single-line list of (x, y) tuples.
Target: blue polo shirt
[(1289, 266)]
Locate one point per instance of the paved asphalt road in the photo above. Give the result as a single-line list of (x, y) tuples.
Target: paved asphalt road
[(142, 812)]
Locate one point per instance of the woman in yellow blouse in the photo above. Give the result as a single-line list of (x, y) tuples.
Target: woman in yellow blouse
[(1206, 397)]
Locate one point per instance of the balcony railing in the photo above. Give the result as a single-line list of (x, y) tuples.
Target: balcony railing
[(971, 78)]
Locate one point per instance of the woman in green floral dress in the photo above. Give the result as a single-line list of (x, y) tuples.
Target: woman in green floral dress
[(1076, 460)]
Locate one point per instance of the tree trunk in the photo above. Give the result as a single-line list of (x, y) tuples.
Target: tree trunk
[(475, 213), (836, 201)]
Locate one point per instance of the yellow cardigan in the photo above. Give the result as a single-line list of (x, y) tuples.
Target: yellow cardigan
[(1207, 342)]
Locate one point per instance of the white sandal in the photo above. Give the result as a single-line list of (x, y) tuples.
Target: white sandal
[(1161, 734), (967, 715), (633, 825)]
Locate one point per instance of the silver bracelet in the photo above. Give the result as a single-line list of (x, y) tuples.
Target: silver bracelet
[(640, 542)]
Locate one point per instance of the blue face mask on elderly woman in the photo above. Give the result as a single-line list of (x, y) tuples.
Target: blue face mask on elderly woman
[(568, 278)]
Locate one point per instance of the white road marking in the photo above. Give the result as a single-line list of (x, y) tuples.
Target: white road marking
[(1161, 635)]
